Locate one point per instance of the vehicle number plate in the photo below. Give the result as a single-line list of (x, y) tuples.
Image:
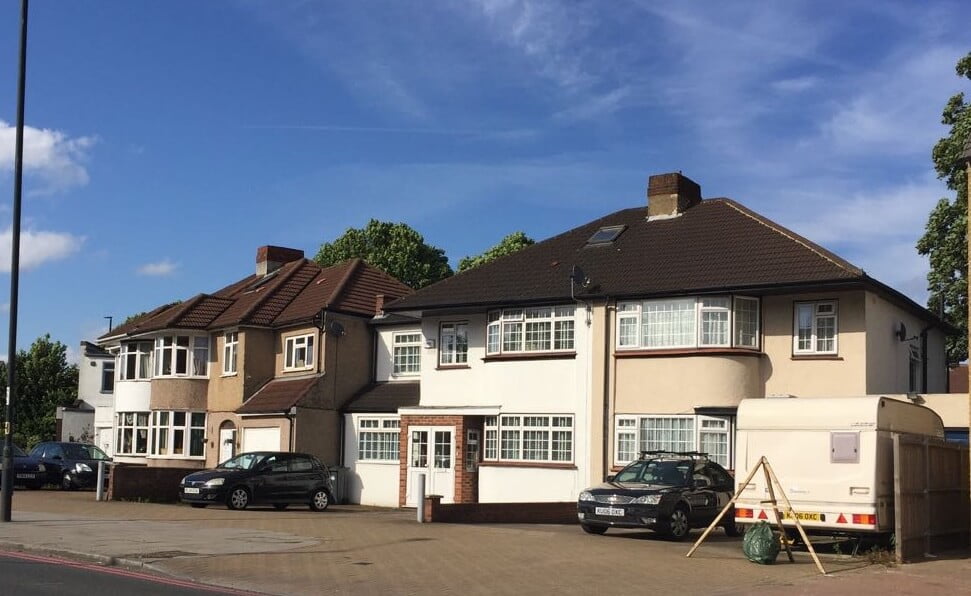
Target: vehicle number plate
[(25, 475), (803, 516), (614, 511), (191, 491)]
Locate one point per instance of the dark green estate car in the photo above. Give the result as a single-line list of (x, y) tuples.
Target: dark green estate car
[(668, 492), (269, 477)]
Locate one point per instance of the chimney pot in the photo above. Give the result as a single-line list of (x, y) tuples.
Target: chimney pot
[(271, 258), (670, 195)]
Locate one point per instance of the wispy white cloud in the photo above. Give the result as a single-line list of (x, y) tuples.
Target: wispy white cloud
[(162, 268), (38, 247), (795, 85), (56, 158)]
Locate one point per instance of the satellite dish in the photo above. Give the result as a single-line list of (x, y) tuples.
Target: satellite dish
[(579, 278), (335, 328), (901, 331)]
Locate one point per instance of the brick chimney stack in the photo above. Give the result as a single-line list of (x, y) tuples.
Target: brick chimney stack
[(670, 195), (271, 258)]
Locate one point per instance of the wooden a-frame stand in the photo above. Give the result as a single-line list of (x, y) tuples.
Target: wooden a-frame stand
[(770, 481)]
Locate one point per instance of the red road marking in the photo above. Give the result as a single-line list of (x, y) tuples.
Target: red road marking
[(124, 573)]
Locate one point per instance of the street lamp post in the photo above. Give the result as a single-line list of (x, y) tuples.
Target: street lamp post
[(6, 486)]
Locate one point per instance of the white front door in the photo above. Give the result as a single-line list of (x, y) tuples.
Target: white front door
[(227, 443), (431, 451)]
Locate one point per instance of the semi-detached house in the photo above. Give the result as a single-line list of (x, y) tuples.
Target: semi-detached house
[(265, 363), (544, 370)]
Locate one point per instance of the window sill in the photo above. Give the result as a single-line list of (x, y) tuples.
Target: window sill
[(180, 378), (452, 367), (224, 375), (816, 357), (531, 356), (298, 370), (527, 464), (681, 352)]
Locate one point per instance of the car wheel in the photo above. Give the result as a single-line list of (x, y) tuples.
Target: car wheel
[(731, 528), (238, 498), (198, 505), (678, 524), (320, 500), (591, 529), (279, 506), (66, 482)]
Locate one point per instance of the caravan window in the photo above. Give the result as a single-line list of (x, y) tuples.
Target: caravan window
[(844, 448)]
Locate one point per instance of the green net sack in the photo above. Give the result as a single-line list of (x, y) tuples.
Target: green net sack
[(761, 544)]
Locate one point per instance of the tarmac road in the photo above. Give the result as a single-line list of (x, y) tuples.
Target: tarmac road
[(360, 550)]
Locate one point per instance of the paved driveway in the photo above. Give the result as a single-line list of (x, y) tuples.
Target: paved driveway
[(357, 550)]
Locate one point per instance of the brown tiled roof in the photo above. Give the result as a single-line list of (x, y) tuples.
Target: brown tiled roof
[(385, 397), (714, 246), (279, 395), (295, 292)]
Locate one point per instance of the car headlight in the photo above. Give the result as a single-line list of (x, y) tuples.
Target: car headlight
[(647, 500), (586, 496), (40, 468), (215, 482), (80, 467)]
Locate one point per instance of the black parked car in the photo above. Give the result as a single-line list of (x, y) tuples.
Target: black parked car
[(668, 492), (71, 465), (27, 471), (277, 478)]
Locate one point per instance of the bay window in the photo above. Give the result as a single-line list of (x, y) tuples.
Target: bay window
[(538, 438), (178, 434), (535, 329), (691, 322), (135, 361), (182, 356), (131, 433), (677, 433), (815, 328), (379, 439)]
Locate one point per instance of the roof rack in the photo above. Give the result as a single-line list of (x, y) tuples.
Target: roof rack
[(691, 454)]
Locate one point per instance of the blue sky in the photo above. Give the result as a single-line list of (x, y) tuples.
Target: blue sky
[(167, 141)]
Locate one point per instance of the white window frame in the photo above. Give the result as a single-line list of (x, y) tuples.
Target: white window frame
[(294, 345), (379, 440), (193, 348), (131, 424), (668, 317), (531, 330), (630, 436), (453, 344), (816, 317), (406, 353), (508, 436), (165, 429), (139, 355), (230, 353)]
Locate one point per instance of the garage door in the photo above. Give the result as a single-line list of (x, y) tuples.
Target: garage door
[(261, 439)]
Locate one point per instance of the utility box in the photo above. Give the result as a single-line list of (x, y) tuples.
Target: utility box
[(834, 458), (339, 478)]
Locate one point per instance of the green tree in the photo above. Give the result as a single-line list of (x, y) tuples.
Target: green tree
[(945, 237), (395, 248), (44, 381), (508, 245)]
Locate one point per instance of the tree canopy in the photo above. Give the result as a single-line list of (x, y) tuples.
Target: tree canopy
[(395, 248), (945, 237), (508, 245), (45, 380)]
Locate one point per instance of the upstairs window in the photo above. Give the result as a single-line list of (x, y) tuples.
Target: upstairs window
[(815, 328), (692, 322), (107, 377), (182, 356), (135, 361), (230, 347), (454, 344), (299, 352), (537, 329), (407, 353)]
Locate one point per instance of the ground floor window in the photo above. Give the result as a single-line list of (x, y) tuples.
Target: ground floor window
[(634, 434), (178, 434), (132, 433), (378, 439), (529, 437)]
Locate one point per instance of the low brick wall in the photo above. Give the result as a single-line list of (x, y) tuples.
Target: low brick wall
[(159, 485), (499, 513)]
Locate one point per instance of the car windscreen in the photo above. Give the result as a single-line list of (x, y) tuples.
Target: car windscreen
[(663, 472), (83, 452), (246, 461)]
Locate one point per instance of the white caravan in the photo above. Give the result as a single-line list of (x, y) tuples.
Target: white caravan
[(833, 457)]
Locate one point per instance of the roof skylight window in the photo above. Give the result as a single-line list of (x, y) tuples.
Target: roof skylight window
[(605, 235)]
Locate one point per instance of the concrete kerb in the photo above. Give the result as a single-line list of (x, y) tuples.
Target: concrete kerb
[(105, 560)]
